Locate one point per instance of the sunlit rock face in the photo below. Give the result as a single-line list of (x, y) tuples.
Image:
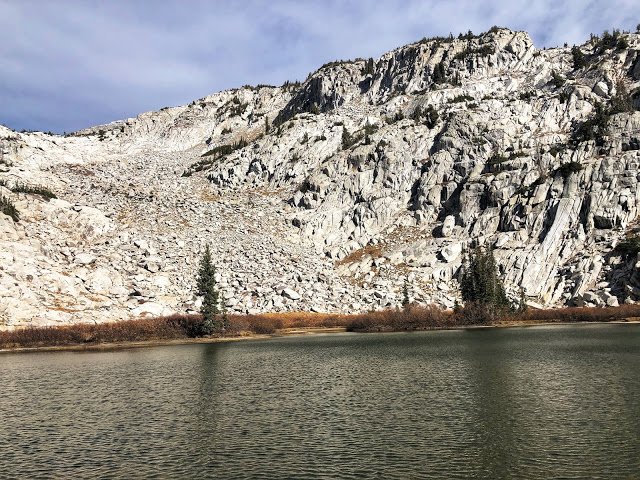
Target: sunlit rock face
[(327, 195)]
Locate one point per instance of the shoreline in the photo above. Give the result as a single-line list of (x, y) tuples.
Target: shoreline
[(297, 331)]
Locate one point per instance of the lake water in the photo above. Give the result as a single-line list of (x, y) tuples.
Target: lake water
[(535, 403)]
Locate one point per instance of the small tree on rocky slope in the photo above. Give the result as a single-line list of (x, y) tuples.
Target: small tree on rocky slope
[(481, 288), (206, 288)]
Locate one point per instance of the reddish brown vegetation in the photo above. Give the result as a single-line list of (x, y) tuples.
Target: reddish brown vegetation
[(413, 318), (579, 314), (183, 326), (164, 328)]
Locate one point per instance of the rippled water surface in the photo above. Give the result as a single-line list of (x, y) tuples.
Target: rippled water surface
[(543, 402)]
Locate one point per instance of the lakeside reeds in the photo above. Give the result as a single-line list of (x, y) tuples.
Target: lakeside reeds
[(177, 327)]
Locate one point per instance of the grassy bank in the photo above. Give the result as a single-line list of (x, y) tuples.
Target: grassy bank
[(178, 327), (159, 329)]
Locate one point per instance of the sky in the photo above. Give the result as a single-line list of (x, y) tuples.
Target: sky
[(71, 64)]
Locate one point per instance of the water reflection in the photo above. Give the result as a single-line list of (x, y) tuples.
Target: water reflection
[(511, 403)]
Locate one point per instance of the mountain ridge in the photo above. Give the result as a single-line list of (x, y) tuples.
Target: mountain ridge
[(355, 177)]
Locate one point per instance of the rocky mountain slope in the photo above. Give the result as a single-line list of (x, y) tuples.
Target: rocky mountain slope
[(330, 194)]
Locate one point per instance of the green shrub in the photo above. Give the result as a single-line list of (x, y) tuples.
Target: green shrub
[(7, 207), (564, 96), (439, 74), (629, 246), (579, 60), (483, 51), (33, 189), (526, 96), (557, 79), (461, 98), (621, 101), (596, 127), (568, 168), (431, 116), (496, 159)]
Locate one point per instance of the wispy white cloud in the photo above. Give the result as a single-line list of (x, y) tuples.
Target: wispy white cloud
[(71, 64)]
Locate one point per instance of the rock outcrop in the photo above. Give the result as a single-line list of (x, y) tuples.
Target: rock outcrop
[(328, 195)]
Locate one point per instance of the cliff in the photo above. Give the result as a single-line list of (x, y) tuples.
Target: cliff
[(327, 195)]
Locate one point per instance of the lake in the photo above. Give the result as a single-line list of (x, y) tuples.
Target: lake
[(535, 403)]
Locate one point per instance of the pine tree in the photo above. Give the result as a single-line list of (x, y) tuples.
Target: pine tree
[(405, 294), (578, 58), (347, 140), (432, 116), (481, 288), (206, 288), (439, 74), (206, 273)]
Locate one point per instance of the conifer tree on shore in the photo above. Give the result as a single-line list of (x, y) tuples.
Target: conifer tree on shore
[(481, 288), (206, 288)]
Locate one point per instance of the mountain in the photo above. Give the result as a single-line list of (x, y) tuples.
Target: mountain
[(327, 195)]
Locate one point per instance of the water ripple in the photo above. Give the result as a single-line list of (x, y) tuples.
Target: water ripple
[(531, 403)]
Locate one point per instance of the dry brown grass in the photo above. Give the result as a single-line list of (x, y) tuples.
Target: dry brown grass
[(579, 314), (412, 318), (374, 250), (183, 326), (163, 328)]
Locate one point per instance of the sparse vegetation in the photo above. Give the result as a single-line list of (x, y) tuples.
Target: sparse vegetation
[(557, 148), (630, 246), (564, 96), (568, 168), (497, 158), (7, 207), (439, 74), (34, 190), (527, 95), (347, 139), (483, 51), (369, 67), (431, 116), (595, 128), (222, 150), (396, 118), (214, 155), (461, 98), (621, 101), (579, 60), (557, 79)]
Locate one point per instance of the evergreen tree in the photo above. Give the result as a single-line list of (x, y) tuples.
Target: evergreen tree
[(206, 288), (621, 101), (481, 288), (347, 140), (432, 116), (368, 67), (405, 294), (578, 58), (416, 114), (439, 73), (206, 273)]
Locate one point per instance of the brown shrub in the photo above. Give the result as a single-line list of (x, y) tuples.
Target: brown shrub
[(580, 314), (412, 318), (162, 328)]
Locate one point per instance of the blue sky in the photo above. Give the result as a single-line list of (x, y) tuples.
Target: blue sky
[(67, 65)]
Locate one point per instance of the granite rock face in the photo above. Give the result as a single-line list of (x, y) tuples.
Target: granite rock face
[(327, 195)]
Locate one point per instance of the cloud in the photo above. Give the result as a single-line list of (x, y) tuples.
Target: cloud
[(68, 65)]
